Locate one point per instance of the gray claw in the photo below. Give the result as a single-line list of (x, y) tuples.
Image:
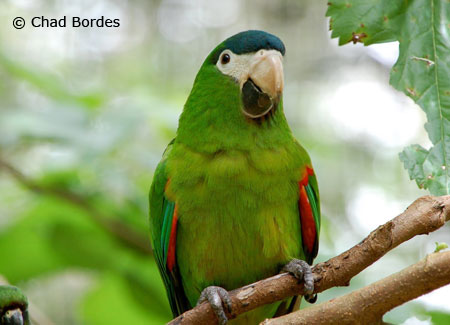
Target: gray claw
[(217, 297), (302, 271)]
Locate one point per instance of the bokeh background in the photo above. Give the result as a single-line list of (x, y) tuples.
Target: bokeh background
[(85, 114)]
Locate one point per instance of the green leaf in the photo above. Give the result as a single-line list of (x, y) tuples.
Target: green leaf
[(440, 246), (422, 70), (421, 167)]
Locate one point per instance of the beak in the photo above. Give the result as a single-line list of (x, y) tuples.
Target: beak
[(262, 90), (266, 71)]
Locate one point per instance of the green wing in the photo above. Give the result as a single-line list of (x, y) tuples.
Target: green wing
[(163, 224)]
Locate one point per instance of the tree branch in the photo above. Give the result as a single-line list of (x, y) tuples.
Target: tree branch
[(116, 227), (368, 305), (423, 216)]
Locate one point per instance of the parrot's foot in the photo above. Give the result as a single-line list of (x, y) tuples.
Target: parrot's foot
[(217, 297), (12, 317), (302, 271)]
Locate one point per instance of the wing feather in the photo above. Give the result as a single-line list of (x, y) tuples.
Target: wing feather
[(309, 211), (163, 226)]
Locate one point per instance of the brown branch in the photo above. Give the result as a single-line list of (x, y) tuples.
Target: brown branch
[(423, 216), (368, 305), (116, 227)]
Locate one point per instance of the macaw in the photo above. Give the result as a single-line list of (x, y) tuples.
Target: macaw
[(235, 197), (13, 306)]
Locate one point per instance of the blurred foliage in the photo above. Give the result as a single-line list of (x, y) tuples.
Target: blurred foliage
[(48, 85), (438, 318), (422, 70), (85, 115)]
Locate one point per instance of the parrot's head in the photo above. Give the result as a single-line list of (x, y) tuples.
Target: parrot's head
[(238, 88), (253, 61)]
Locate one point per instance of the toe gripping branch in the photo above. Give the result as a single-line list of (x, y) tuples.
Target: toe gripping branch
[(218, 297), (302, 271)]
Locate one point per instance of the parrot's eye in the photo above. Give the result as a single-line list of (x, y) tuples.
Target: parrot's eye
[(232, 65), (225, 58)]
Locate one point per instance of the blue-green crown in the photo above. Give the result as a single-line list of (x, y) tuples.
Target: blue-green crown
[(248, 42)]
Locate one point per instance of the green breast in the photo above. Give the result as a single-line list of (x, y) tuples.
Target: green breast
[(238, 214)]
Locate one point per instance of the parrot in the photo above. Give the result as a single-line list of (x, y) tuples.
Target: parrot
[(235, 197), (13, 306)]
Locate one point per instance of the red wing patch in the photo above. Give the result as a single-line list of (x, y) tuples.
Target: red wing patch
[(172, 241), (308, 224), (307, 219)]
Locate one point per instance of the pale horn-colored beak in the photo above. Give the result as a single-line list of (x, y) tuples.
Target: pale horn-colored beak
[(261, 89), (266, 71)]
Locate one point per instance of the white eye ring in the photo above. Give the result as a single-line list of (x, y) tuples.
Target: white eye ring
[(225, 57)]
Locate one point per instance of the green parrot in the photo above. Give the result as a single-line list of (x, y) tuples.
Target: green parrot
[(234, 198), (13, 306)]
